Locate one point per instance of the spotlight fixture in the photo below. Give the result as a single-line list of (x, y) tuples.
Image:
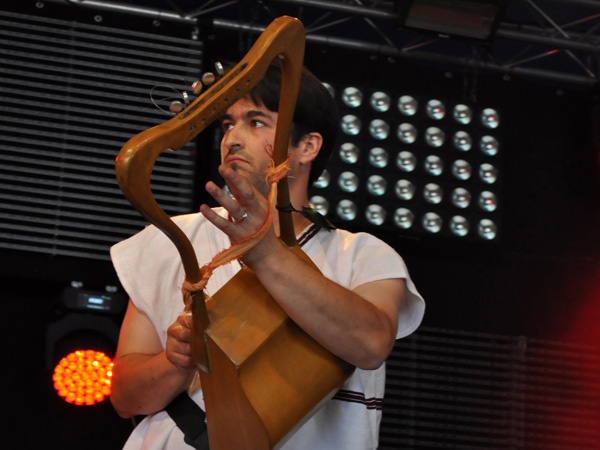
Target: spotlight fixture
[(468, 19), (413, 165), (80, 344)]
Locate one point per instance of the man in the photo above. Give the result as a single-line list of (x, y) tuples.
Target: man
[(361, 303)]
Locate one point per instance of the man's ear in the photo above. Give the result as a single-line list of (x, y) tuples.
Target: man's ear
[(309, 147)]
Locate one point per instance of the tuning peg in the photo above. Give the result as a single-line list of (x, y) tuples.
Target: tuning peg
[(176, 107), (197, 87), (208, 78)]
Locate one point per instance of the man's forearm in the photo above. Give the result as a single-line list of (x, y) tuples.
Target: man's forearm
[(145, 384), (358, 327)]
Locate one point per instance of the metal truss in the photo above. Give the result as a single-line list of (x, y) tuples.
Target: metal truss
[(553, 40)]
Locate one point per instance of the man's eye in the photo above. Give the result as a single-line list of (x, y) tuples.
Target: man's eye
[(227, 126), (257, 123)]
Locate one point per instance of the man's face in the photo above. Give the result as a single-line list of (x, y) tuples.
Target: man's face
[(248, 140)]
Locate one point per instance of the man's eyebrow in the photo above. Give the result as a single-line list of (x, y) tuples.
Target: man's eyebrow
[(248, 115), (256, 113)]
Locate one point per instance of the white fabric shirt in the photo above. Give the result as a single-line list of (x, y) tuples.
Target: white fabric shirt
[(150, 270)]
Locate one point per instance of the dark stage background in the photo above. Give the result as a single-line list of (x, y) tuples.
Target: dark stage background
[(538, 287)]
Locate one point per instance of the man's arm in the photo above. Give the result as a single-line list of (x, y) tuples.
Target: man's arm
[(145, 377), (358, 326)]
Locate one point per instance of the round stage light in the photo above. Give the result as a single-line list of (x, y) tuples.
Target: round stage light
[(375, 215), (404, 218), (405, 190), (320, 204), (380, 101), (406, 161), (487, 201), (461, 198), (490, 118), (346, 210), (378, 157), (376, 185), (434, 165), (352, 97), (408, 105), (348, 181), (488, 173), (462, 114), (461, 169), (459, 226), (432, 222), (379, 129), (488, 145), (433, 193), (330, 89), (462, 141), (351, 125), (435, 109), (349, 153), (487, 229), (83, 377), (434, 137), (407, 133), (323, 180)]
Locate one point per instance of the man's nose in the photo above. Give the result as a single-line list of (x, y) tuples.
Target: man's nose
[(232, 140)]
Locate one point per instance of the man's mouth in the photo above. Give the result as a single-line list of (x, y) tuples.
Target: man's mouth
[(234, 161), (232, 158)]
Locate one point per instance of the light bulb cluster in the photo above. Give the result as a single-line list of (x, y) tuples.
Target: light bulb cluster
[(414, 164), (83, 377)]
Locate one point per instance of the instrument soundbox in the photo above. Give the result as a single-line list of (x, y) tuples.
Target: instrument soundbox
[(261, 375)]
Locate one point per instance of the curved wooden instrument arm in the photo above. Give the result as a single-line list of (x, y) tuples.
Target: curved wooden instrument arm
[(283, 38)]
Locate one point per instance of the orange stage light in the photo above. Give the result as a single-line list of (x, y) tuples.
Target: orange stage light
[(83, 377)]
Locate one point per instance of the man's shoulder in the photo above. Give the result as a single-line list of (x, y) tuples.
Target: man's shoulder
[(190, 224), (351, 237), (196, 217)]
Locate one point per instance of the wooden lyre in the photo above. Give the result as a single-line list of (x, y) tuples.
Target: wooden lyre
[(261, 375)]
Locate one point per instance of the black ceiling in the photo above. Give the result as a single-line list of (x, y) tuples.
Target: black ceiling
[(556, 40)]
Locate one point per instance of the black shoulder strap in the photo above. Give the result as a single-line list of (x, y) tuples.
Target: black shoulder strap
[(190, 419)]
